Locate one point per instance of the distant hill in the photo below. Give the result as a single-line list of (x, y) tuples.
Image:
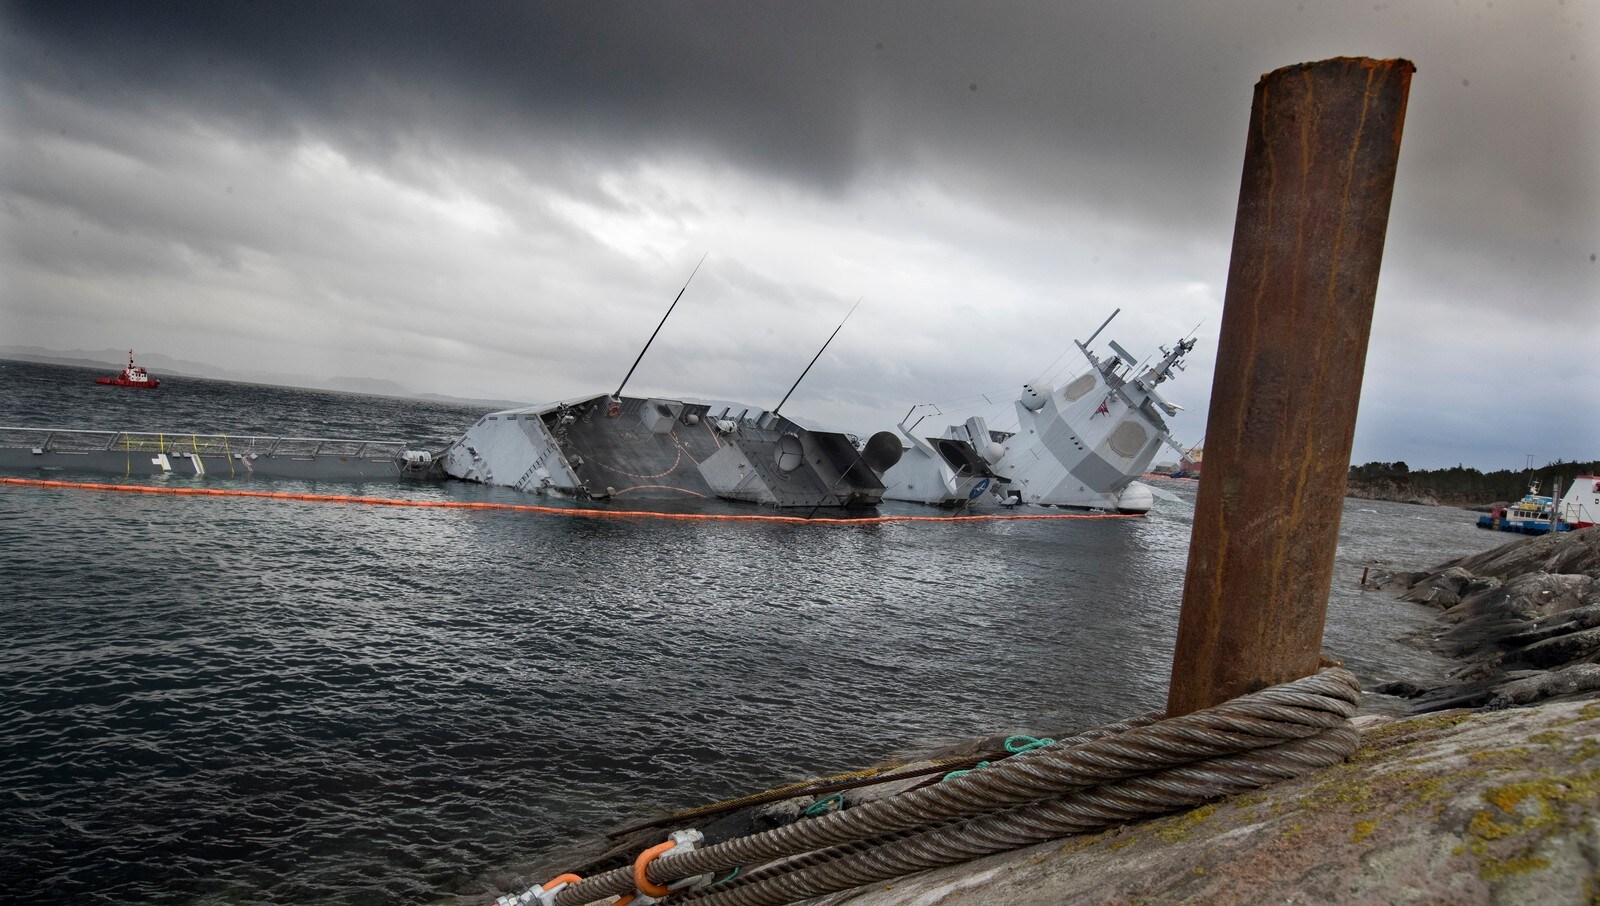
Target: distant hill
[(368, 386), (155, 361), (114, 359), (469, 401)]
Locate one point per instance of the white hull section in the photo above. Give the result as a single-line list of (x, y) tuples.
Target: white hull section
[(946, 471), (512, 449), (1580, 506)]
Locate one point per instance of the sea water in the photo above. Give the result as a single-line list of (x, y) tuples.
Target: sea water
[(237, 700)]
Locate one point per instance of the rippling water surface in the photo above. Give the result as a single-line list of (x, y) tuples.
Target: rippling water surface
[(232, 700)]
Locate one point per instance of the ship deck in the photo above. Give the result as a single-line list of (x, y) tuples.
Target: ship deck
[(146, 453)]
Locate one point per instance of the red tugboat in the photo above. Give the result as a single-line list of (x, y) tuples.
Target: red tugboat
[(131, 376)]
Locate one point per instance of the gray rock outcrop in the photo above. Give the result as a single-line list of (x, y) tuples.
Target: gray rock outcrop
[(1523, 618)]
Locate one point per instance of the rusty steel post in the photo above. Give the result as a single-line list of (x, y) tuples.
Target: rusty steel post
[(1319, 171)]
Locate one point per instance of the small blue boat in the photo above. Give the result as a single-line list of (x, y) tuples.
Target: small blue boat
[(1532, 515)]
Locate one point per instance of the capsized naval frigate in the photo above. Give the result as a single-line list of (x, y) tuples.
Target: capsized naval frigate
[(1081, 446), (622, 448)]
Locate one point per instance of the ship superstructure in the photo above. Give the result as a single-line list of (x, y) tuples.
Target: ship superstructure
[(1082, 445)]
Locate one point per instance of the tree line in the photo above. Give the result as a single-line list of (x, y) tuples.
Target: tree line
[(1459, 485)]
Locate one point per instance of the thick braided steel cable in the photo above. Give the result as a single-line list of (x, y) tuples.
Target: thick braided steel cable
[(817, 787), (1294, 710), (1101, 732), (773, 869), (1116, 803)]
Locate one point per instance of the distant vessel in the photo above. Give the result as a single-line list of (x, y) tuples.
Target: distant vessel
[(1081, 446), (1537, 514), (131, 376)]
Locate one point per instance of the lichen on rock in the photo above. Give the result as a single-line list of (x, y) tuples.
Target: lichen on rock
[(1428, 811)]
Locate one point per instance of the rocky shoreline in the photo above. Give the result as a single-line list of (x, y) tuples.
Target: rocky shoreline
[(1523, 618), (1398, 493)]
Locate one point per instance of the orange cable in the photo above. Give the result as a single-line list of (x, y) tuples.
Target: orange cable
[(641, 865), (547, 510)]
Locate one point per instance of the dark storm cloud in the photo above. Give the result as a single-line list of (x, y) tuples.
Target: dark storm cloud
[(816, 90), (382, 74), (819, 92), (1113, 109)]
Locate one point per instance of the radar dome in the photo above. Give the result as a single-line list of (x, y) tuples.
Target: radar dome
[(1135, 498), (1034, 395)]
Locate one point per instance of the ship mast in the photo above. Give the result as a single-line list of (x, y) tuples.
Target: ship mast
[(618, 394), (817, 356)]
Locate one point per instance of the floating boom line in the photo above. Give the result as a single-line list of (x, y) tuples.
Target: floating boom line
[(571, 511)]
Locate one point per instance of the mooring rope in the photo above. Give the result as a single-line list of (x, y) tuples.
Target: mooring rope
[(1124, 772), (1114, 803)]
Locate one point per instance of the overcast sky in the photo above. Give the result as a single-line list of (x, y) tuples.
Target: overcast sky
[(500, 199)]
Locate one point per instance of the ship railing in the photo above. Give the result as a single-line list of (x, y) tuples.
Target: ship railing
[(72, 440)]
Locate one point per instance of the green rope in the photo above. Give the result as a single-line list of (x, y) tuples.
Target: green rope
[(1016, 745), (826, 804), (731, 875), (954, 774)]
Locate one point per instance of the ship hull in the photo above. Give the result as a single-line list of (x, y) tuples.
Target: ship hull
[(123, 382), (648, 450)]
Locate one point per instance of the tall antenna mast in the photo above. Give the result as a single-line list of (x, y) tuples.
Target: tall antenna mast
[(618, 394), (817, 356)]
